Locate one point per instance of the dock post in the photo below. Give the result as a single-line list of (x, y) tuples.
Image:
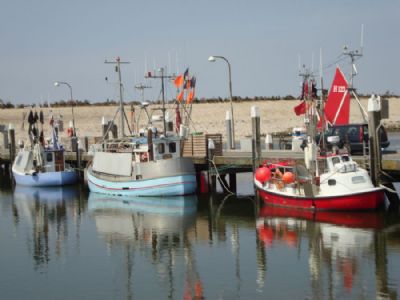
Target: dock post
[(114, 131), (86, 142), (229, 138), (268, 141), (232, 182), (256, 141), (374, 119), (210, 155), (104, 127), (11, 132)]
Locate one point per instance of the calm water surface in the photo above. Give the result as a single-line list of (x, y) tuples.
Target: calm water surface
[(65, 243)]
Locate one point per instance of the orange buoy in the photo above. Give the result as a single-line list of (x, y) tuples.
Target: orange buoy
[(288, 177), (263, 174)]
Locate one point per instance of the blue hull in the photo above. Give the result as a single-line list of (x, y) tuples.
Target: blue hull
[(176, 205), (166, 186), (46, 179)]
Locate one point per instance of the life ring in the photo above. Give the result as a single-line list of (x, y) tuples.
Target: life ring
[(70, 132)]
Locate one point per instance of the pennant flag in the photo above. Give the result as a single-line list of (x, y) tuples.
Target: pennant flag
[(186, 74), (178, 81), (190, 97), (187, 84), (300, 109), (180, 96)]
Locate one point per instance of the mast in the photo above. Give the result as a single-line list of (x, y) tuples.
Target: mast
[(163, 100), (322, 102), (118, 63), (354, 55), (162, 77), (310, 151)]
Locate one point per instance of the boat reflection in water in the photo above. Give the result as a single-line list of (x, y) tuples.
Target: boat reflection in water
[(45, 213), (125, 215), (46, 195), (155, 228), (342, 244)]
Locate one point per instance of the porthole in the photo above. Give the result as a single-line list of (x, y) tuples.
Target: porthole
[(332, 182)]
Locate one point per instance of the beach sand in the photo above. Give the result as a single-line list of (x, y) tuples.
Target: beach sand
[(276, 116)]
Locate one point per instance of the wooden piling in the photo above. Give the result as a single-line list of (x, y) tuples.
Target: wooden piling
[(256, 140), (374, 143), (228, 124), (232, 182), (212, 182), (11, 133)]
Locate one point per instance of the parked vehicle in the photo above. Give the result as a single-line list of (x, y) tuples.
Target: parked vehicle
[(353, 135)]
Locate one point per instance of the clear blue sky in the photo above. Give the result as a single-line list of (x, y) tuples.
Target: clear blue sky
[(48, 40)]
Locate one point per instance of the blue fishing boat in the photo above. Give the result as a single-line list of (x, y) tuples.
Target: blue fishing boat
[(142, 168), (39, 165), (148, 164)]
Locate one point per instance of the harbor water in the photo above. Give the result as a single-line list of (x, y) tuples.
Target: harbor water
[(66, 243)]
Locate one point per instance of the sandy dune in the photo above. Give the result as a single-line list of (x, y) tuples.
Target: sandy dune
[(206, 117)]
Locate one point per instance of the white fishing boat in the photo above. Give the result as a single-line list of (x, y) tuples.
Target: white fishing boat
[(148, 165)]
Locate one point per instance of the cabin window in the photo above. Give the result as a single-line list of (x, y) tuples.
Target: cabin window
[(332, 182), (335, 160), (49, 157), (172, 147), (345, 158), (161, 148), (358, 179)]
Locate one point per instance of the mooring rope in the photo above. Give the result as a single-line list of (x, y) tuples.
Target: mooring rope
[(219, 176)]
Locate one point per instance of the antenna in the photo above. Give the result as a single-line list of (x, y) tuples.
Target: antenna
[(362, 39), (299, 61), (145, 63), (354, 54), (312, 61), (141, 87), (169, 61), (176, 62)]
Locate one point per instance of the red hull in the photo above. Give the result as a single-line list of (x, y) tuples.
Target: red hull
[(350, 219), (361, 201)]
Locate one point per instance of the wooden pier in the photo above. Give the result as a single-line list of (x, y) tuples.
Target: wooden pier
[(236, 161)]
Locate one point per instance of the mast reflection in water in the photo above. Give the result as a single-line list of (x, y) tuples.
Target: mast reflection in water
[(63, 243), (157, 228)]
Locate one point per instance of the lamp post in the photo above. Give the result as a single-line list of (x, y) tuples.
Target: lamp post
[(213, 59), (57, 84)]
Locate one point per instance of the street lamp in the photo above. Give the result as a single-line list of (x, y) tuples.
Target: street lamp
[(213, 59), (57, 84)]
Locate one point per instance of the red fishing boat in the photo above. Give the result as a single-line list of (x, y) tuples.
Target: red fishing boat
[(325, 180)]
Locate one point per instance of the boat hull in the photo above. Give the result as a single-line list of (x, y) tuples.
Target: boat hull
[(165, 186), (46, 179), (368, 200)]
